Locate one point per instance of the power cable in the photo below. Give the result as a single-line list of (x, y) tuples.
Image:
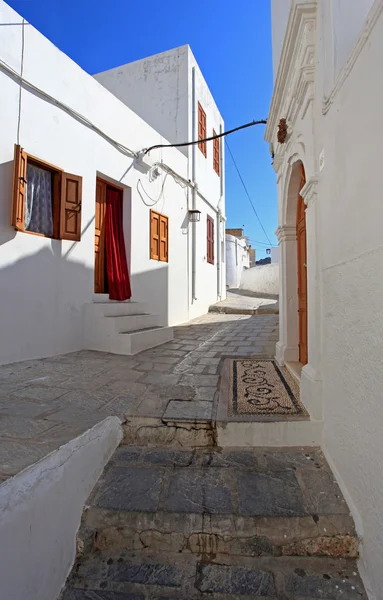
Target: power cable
[(247, 193), (213, 137)]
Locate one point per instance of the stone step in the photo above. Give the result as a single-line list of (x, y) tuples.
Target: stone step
[(148, 431), (135, 322), (209, 501), (126, 576)]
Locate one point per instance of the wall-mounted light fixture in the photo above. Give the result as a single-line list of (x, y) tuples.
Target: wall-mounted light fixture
[(194, 216)]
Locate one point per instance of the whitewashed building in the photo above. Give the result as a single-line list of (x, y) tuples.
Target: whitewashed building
[(169, 92), (86, 215), (324, 128), (237, 257)]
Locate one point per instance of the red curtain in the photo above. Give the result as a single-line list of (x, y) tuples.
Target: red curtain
[(116, 264)]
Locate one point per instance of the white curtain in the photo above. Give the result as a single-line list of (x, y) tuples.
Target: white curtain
[(38, 215)]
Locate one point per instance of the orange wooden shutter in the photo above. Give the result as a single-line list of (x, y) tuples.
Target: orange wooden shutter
[(163, 238), (210, 240), (216, 156), (19, 188), (154, 235), (70, 209), (201, 129)]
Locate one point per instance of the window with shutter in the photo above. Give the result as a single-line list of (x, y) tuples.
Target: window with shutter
[(70, 217), (19, 188), (45, 200), (159, 237), (201, 129), (210, 240), (216, 156)]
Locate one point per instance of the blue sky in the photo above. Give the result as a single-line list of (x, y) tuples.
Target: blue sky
[(232, 44)]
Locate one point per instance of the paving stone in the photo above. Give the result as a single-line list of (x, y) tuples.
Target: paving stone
[(277, 461), (161, 378), (213, 578), (44, 394), (17, 455), (188, 411), (198, 492), (234, 458), (144, 573), (325, 588), (205, 393), (166, 458), (131, 488), (24, 408), (16, 427), (100, 595), (325, 495), (267, 494), (252, 582)]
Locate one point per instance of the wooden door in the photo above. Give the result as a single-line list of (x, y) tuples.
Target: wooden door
[(302, 274), (99, 240)]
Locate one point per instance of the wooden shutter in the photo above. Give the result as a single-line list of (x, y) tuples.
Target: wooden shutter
[(70, 208), (210, 240), (163, 238), (154, 235), (19, 188), (216, 156), (201, 129)]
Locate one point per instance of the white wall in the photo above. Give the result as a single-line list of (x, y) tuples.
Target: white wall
[(274, 256), (262, 279), (279, 16), (157, 89), (343, 380), (44, 283), (40, 513), (351, 214), (237, 259), (348, 20)]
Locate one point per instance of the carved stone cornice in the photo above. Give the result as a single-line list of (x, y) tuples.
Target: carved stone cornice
[(309, 191), (286, 233), (294, 84)]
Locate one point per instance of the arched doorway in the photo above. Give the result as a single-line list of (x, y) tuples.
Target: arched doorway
[(302, 272)]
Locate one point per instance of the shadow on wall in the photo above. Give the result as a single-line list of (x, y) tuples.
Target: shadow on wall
[(261, 280), (41, 305), (7, 233), (152, 287)]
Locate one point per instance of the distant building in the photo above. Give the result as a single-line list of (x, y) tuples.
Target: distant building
[(237, 256), (274, 256)]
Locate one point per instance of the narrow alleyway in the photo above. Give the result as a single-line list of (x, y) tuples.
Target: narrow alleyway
[(174, 516), (45, 403)]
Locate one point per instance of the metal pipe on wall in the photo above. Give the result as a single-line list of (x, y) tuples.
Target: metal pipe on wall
[(194, 189)]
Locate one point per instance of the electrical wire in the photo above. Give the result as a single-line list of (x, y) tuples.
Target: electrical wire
[(247, 193), (26, 84), (208, 139)]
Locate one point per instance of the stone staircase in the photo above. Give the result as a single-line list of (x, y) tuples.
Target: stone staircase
[(201, 522), (122, 327)]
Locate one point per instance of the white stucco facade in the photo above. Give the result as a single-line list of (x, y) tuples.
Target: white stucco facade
[(237, 259), (165, 90), (329, 89), (45, 282)]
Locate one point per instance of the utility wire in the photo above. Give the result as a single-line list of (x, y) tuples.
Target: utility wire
[(29, 86), (247, 193), (213, 137)]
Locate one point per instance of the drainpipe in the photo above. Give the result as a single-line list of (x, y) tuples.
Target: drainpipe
[(194, 189)]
